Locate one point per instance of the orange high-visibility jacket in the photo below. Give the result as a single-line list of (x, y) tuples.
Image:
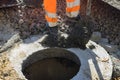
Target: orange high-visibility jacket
[(72, 10)]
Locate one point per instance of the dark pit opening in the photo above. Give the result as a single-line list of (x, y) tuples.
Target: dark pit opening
[(51, 64)]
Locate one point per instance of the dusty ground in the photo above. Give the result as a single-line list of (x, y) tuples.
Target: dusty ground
[(6, 70)]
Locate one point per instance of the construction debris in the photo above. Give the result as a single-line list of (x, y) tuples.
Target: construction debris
[(96, 36)]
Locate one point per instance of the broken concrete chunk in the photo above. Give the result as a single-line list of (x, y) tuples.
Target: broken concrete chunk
[(96, 36), (15, 38), (114, 3)]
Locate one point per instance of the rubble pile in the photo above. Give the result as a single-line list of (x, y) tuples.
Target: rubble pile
[(76, 34)]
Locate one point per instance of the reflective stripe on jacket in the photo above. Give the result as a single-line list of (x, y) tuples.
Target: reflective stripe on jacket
[(72, 10)]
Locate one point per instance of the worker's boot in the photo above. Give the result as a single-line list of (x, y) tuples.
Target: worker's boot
[(74, 19), (50, 30), (52, 37), (71, 21), (53, 30), (77, 18)]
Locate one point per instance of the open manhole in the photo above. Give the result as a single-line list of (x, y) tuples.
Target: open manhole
[(51, 64)]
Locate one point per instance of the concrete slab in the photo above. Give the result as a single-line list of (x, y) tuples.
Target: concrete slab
[(114, 3), (95, 62)]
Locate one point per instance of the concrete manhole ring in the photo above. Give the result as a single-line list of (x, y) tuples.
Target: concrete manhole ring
[(94, 63)]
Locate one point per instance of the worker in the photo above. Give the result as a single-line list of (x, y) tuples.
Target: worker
[(72, 11)]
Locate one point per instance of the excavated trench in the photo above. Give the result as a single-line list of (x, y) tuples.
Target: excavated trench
[(105, 17)]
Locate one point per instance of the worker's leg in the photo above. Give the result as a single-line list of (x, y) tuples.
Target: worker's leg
[(73, 7), (50, 9), (51, 17)]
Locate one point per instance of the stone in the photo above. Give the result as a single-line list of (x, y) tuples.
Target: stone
[(96, 36), (1, 14)]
